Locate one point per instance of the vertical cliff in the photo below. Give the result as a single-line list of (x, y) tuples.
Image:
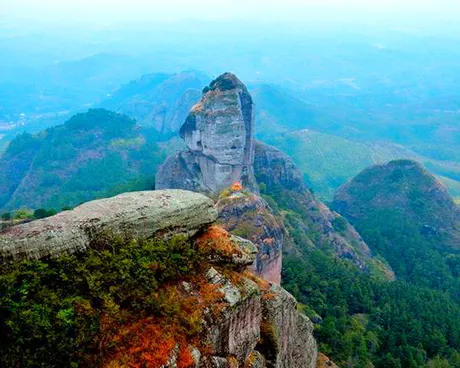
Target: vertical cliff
[(219, 135), (249, 216)]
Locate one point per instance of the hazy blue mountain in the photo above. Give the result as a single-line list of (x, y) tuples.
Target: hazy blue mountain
[(161, 101)]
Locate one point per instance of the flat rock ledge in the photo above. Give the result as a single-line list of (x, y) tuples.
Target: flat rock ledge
[(139, 214)]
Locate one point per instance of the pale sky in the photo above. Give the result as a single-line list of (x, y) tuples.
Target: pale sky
[(144, 10)]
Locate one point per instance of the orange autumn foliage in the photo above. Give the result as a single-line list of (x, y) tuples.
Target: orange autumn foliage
[(217, 240), (150, 342), (236, 187), (185, 359)]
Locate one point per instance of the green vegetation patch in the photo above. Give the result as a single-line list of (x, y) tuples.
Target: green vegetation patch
[(53, 311)]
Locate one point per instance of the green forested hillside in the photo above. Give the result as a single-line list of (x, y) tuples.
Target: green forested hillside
[(328, 161), (405, 216), (94, 154), (364, 321)]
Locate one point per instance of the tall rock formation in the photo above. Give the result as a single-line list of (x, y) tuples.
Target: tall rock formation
[(221, 150), (219, 135)]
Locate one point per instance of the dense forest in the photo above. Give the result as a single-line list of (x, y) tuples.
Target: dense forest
[(365, 321)]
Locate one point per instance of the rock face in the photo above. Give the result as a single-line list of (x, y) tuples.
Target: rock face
[(249, 216), (292, 331), (405, 187), (260, 327), (281, 179), (218, 134), (139, 214)]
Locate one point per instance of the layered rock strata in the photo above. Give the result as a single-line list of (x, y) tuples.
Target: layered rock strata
[(249, 216), (219, 135), (138, 214)]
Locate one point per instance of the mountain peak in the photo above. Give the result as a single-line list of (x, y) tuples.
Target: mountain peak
[(226, 82), (403, 188)]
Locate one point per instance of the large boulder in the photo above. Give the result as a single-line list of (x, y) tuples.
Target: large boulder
[(219, 135), (138, 214)]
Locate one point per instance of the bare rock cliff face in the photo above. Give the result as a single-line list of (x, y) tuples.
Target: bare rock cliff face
[(249, 216), (139, 214), (218, 134)]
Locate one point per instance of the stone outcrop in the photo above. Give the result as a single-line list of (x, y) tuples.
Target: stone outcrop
[(221, 150), (219, 135), (249, 216), (245, 321), (280, 178), (290, 332), (261, 327), (138, 214)]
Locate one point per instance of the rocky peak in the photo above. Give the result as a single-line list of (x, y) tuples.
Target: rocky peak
[(219, 135)]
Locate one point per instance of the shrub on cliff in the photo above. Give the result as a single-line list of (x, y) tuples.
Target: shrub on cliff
[(113, 304)]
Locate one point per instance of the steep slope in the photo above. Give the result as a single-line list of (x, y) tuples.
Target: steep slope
[(92, 155), (407, 216), (220, 129), (162, 101), (126, 297), (310, 223)]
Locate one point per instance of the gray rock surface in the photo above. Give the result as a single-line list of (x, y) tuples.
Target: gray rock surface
[(292, 332), (138, 214), (250, 216), (237, 330), (252, 313), (219, 135)]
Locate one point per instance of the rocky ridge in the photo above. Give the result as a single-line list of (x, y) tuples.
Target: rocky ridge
[(321, 227), (138, 214), (220, 129), (257, 323)]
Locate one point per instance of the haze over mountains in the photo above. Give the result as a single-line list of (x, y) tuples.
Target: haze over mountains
[(326, 161), (378, 86)]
